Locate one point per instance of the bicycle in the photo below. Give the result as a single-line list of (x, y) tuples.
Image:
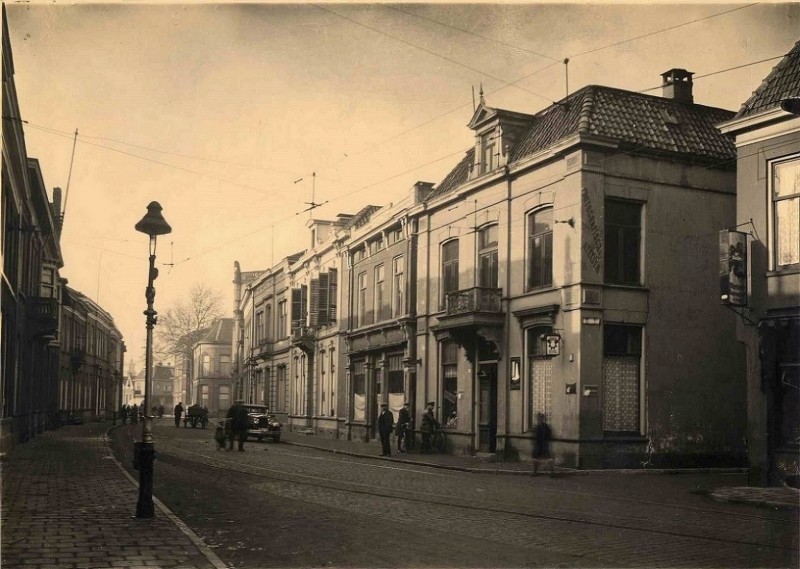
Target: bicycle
[(409, 438), (439, 440)]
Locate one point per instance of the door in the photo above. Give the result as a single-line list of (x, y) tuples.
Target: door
[(487, 407)]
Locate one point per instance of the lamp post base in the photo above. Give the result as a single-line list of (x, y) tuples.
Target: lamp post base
[(145, 455)]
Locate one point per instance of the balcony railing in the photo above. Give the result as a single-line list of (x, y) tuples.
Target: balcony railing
[(42, 316), (472, 300), (302, 334)]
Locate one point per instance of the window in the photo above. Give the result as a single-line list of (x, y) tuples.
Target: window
[(48, 284), (398, 303), (623, 242), (540, 374), (487, 257), (299, 306), (540, 248), (786, 212), (323, 383), (224, 365), (333, 294), (268, 322), (224, 397), (379, 299), (257, 332), (489, 161), (332, 380), (449, 379), (359, 393), (622, 353), (449, 268), (204, 390), (205, 367), (361, 300), (282, 319), (395, 388), (280, 404)]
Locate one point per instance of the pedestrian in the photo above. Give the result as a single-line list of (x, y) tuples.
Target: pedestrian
[(429, 425), (123, 414), (178, 411), (220, 435), (238, 420), (160, 411), (385, 423), (542, 435), (135, 414), (403, 419)]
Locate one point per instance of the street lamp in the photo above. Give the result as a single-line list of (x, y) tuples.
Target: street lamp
[(152, 224)]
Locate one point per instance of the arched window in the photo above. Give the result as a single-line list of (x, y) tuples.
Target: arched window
[(540, 248)]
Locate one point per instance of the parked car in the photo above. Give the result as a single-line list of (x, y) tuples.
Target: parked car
[(262, 424)]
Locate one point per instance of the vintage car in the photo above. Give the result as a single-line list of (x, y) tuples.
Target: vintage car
[(262, 424)]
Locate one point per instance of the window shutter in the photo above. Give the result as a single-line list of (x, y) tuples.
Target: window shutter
[(322, 307), (297, 307), (303, 304), (314, 310), (333, 293)]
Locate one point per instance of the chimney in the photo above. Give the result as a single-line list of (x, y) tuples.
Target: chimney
[(420, 191), (677, 85), (56, 209)]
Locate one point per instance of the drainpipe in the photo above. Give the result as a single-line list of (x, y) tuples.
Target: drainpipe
[(507, 294)]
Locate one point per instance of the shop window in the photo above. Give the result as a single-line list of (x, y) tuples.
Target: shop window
[(540, 374), (449, 380), (540, 249), (623, 237), (622, 354), (359, 392), (785, 213), (395, 388)]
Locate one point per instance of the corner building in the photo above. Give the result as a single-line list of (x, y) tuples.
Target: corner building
[(568, 265)]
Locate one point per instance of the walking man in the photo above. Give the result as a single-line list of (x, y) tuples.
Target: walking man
[(429, 425), (135, 414), (542, 435), (123, 414), (385, 422), (178, 412), (403, 418), (237, 421)]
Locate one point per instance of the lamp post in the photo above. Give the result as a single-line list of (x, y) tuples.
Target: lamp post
[(153, 224)]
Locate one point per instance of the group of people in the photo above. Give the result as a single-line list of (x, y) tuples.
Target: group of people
[(403, 428), (131, 412), (233, 428)]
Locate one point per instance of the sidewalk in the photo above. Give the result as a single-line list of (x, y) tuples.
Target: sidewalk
[(783, 498), (67, 503)]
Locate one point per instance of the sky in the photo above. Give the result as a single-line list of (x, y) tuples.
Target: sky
[(232, 115)]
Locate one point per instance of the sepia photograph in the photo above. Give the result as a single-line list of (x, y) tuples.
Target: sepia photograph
[(400, 285)]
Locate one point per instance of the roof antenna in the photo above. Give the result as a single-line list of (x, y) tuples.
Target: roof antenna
[(566, 75), (69, 176)]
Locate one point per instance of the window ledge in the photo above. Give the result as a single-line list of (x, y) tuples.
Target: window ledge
[(791, 270), (626, 286)]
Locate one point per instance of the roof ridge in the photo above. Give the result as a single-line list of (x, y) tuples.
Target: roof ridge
[(587, 108), (746, 106)]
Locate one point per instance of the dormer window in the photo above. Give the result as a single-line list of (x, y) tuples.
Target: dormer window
[(489, 152)]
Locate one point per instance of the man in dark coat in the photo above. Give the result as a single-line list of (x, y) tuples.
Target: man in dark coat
[(135, 414), (237, 424), (385, 423), (403, 419), (429, 425), (542, 434), (178, 412), (123, 414)]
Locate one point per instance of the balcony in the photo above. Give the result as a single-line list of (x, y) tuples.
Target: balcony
[(472, 313), (42, 317), (263, 348), (474, 300), (303, 337)]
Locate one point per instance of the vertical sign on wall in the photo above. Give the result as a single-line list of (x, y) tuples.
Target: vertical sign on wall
[(733, 267), (515, 372)]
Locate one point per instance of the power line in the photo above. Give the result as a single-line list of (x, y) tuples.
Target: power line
[(431, 52), (661, 31), (493, 40)]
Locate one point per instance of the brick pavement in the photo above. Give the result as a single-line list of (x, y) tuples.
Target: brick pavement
[(68, 504)]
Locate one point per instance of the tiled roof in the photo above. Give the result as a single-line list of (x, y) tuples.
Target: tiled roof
[(220, 332), (783, 81), (643, 122)]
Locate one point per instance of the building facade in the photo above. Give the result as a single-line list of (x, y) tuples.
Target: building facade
[(213, 384), (768, 223), (565, 266)]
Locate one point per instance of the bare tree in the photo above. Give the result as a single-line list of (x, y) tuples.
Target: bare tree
[(185, 323)]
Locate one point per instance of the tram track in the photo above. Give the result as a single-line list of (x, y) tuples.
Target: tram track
[(489, 507)]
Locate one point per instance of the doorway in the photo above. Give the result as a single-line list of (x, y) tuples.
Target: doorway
[(487, 407)]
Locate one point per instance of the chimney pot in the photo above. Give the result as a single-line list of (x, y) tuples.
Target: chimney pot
[(677, 85)]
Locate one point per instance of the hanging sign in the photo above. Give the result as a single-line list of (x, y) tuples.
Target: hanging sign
[(552, 344), (733, 267)]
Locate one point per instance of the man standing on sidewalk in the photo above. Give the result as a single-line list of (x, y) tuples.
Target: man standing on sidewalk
[(237, 421), (385, 422), (178, 412), (403, 418), (541, 444), (429, 425)]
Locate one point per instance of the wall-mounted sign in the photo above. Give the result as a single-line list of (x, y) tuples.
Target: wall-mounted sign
[(552, 344), (572, 388), (591, 320), (591, 390), (515, 372), (733, 267)]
